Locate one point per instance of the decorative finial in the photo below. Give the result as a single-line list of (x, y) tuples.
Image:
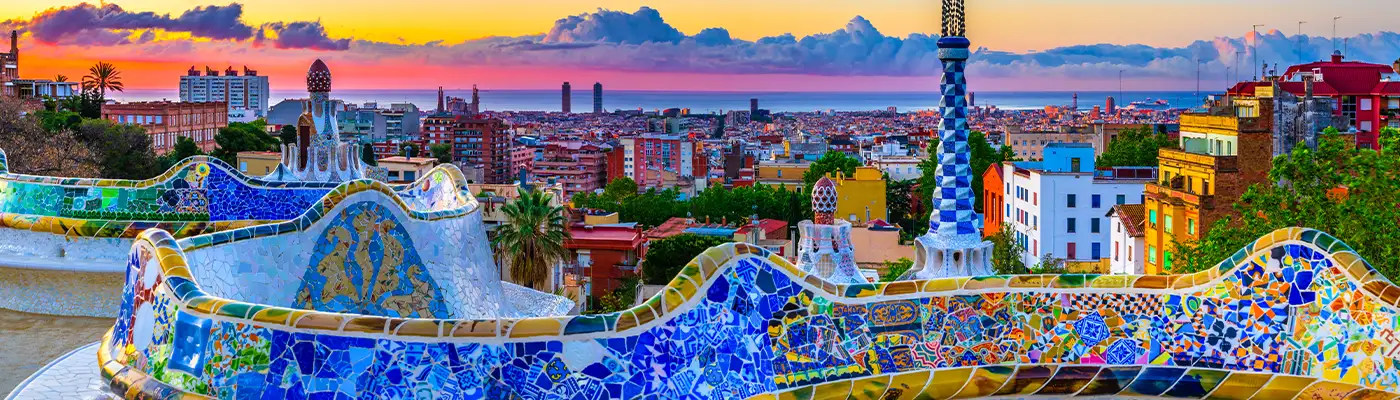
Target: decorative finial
[(954, 18), (824, 202)]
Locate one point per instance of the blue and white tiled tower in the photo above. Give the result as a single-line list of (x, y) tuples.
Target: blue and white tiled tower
[(953, 245)]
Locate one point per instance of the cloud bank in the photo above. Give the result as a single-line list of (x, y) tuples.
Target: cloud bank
[(644, 41)]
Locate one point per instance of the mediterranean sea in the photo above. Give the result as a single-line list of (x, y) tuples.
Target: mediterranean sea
[(709, 102)]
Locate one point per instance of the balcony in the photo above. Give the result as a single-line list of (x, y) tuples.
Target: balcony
[(1218, 163), (1177, 194)]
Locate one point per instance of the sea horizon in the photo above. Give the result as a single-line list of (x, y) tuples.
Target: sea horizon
[(703, 102)]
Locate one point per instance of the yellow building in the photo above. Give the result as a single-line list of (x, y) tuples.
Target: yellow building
[(781, 173), (862, 195), (407, 169), (1220, 155), (258, 163)]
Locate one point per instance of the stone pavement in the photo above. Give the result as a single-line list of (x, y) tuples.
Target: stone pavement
[(72, 376)]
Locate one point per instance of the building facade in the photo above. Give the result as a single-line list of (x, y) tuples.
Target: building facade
[(482, 146), (566, 97), (597, 98), (900, 168), (258, 163), (402, 169), (1127, 238), (166, 121), (605, 254), (1031, 145), (862, 196), (993, 200), (246, 91), (661, 161), (9, 67), (1057, 206), (1366, 95), (580, 167), (1220, 155)]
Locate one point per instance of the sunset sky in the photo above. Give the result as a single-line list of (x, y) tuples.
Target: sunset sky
[(1027, 44)]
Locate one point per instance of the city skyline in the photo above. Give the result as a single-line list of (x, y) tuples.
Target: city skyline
[(661, 45)]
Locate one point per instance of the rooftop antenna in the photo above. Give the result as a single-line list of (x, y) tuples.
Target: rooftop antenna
[(1300, 40), (1334, 33), (1255, 47)]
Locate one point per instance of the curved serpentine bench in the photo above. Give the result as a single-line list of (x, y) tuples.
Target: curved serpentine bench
[(63, 241), (1296, 314)]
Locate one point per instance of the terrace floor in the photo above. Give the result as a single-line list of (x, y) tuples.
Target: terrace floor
[(31, 342)]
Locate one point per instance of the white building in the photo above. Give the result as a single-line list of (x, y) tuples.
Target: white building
[(1126, 236), (1058, 206), (247, 92), (900, 168)]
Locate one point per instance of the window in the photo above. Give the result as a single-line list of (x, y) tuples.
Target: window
[(1035, 247), (1035, 199), (1095, 251), (243, 166), (1152, 217), (1008, 211), (1008, 188), (1152, 254), (1167, 260), (780, 173), (1036, 222), (1115, 250), (1069, 199), (1167, 226), (1094, 201), (1069, 250), (1122, 199), (1069, 225), (1190, 226), (1094, 225), (1074, 164)]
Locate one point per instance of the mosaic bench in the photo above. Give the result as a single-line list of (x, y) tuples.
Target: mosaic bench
[(63, 241), (1296, 314)]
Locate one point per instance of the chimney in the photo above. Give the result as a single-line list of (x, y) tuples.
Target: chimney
[(14, 43), (1337, 57)]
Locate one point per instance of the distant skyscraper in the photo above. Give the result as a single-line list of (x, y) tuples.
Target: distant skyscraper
[(1075, 104), (1109, 106), (442, 105), (567, 99), (597, 98), (753, 106)]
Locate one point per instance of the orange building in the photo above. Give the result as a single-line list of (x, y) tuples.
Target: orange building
[(992, 202), (166, 121)]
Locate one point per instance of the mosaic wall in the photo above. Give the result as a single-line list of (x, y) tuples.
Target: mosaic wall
[(1297, 314)]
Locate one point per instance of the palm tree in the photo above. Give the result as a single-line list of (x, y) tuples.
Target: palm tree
[(532, 239), (103, 76), (60, 78)]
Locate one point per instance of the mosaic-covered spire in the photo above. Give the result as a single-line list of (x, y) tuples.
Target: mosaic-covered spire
[(953, 245), (824, 201)]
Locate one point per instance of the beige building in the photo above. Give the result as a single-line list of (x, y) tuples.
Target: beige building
[(1030, 146), (258, 163), (407, 169), (788, 174)]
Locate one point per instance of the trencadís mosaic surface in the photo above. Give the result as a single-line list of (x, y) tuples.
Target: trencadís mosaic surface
[(1295, 315)]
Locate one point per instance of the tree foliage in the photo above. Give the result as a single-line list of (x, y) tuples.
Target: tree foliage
[(895, 269), (102, 77), (122, 151), (288, 134), (1337, 188), (666, 257), (367, 155), (532, 239), (830, 162), (899, 204), (1007, 252), (30, 149), (243, 136), (409, 150), (1135, 147), (442, 152)]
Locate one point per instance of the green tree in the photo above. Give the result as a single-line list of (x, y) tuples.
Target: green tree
[(1135, 147), (442, 152), (408, 150), (122, 151), (242, 136), (898, 195), (619, 299), (532, 239), (830, 162), (895, 269), (619, 189), (1007, 252), (102, 77), (61, 120), (288, 134), (1049, 264), (367, 155), (666, 257), (1337, 188), (87, 103), (32, 150), (741, 203)]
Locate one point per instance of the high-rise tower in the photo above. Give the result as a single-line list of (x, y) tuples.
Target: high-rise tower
[(567, 100), (597, 97), (953, 246)]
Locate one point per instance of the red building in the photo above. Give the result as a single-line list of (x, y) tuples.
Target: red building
[(1357, 89), (992, 201), (614, 163), (658, 160), (481, 147), (579, 166), (437, 128), (605, 254), (167, 121), (522, 161)]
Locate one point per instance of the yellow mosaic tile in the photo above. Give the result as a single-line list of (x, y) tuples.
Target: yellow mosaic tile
[(1027, 281), (872, 388), (367, 324), (320, 320), (901, 288), (532, 327), (1328, 390), (626, 321), (273, 316), (1370, 394), (907, 385), (990, 282), (832, 391), (984, 382), (943, 284), (1284, 387), (672, 299), (474, 328)]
